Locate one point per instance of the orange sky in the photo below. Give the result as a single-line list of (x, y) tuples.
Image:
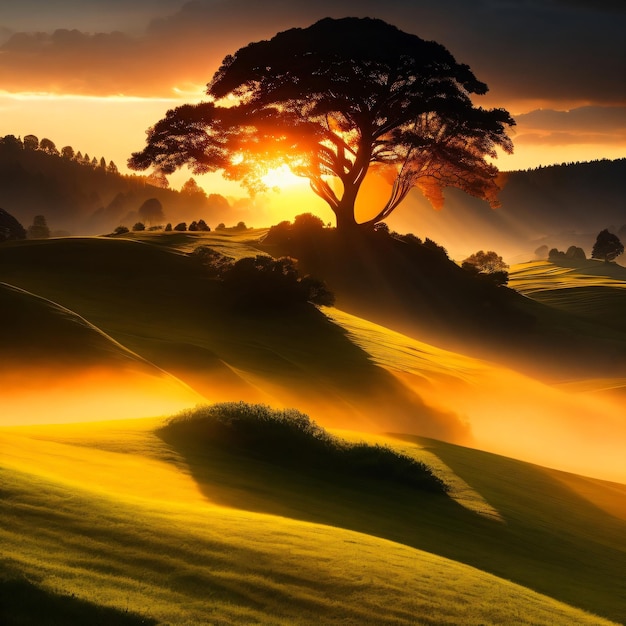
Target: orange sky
[(96, 76)]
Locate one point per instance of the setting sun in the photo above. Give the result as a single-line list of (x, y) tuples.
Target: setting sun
[(282, 177)]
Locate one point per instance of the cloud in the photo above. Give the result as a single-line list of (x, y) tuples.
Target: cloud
[(563, 52), (584, 125)]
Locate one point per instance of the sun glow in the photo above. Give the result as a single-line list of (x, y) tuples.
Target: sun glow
[(282, 177)]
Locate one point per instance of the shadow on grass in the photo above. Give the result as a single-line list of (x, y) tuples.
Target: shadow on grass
[(24, 604), (570, 548), (551, 541)]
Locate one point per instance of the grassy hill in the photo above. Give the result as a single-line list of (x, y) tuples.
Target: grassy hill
[(136, 525), (142, 524)]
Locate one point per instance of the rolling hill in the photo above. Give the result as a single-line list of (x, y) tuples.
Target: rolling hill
[(118, 521)]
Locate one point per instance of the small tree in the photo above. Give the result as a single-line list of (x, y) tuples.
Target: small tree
[(574, 253), (120, 230), (192, 188), (67, 152), (203, 226), (182, 226), (139, 226), (31, 142), (151, 211), (487, 264), (193, 226), (607, 246), (168, 227), (39, 228), (48, 146)]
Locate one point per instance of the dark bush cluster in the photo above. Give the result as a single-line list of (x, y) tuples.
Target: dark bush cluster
[(487, 266), (305, 227), (262, 282), (290, 438), (574, 253)]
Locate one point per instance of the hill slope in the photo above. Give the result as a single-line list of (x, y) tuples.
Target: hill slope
[(134, 536), (48, 350)]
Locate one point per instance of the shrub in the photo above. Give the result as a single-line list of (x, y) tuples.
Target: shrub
[(203, 226), (193, 226), (290, 438), (264, 282), (215, 262), (168, 227), (139, 226), (221, 226), (576, 254), (120, 230), (555, 255), (182, 226)]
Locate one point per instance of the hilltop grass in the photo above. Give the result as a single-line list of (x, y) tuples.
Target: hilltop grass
[(177, 559), (160, 304)]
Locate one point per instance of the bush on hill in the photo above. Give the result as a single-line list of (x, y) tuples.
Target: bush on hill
[(290, 438), (262, 282)]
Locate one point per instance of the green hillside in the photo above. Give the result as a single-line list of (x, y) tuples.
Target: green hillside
[(257, 544), (179, 528)]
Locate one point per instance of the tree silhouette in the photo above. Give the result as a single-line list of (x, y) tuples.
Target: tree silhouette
[(151, 211), (31, 142), (607, 246), (333, 101), (489, 265), (38, 229), (47, 145)]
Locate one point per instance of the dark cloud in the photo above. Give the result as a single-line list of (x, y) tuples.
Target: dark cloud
[(585, 125), (555, 51)]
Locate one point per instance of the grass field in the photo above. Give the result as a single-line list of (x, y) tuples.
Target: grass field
[(110, 514), (117, 521)]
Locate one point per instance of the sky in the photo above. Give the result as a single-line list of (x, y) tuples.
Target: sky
[(95, 74)]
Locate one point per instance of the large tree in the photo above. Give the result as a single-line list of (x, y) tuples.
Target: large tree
[(334, 101)]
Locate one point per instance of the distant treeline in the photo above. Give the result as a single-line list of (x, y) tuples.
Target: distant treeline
[(82, 195)]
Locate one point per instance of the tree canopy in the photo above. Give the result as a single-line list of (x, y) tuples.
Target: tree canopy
[(607, 246), (334, 101)]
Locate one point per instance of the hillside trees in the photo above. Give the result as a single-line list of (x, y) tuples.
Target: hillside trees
[(607, 246), (333, 101)]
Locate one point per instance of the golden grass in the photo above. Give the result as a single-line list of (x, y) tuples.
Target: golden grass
[(128, 529), (535, 276)]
